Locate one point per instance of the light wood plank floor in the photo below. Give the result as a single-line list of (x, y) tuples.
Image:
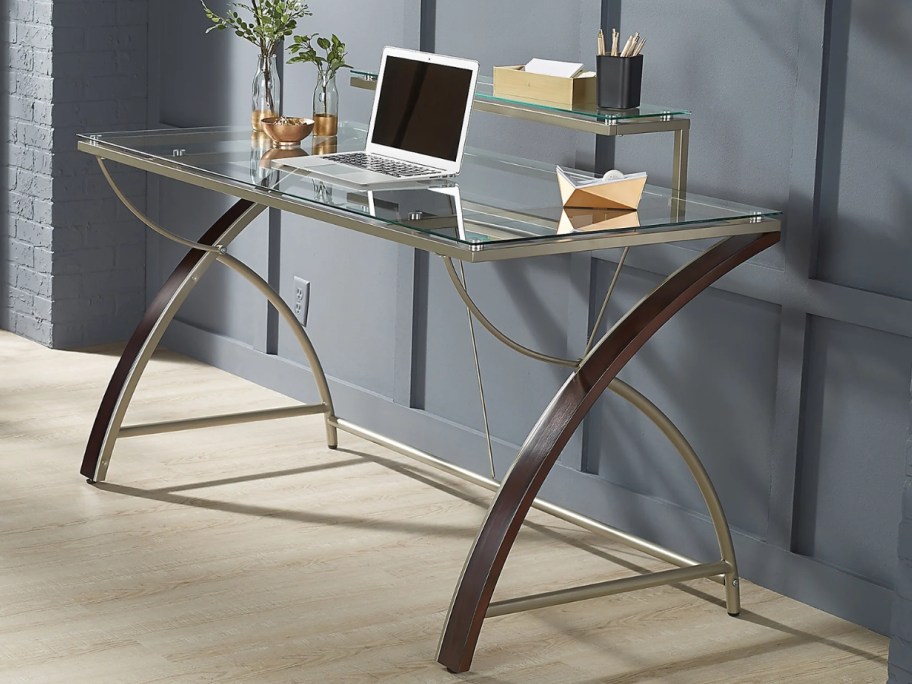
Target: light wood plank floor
[(254, 554)]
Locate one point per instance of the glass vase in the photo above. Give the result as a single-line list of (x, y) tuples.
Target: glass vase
[(326, 105), (267, 93)]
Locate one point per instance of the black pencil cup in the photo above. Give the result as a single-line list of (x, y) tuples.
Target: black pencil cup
[(619, 81)]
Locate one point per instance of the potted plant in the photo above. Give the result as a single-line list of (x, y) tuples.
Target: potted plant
[(326, 95), (265, 23)]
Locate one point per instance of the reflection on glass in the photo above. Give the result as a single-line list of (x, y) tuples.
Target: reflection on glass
[(325, 144), (573, 220), (260, 144)]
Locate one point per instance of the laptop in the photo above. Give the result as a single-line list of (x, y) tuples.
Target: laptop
[(418, 124)]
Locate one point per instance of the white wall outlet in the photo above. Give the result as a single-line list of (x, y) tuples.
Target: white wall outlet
[(301, 302)]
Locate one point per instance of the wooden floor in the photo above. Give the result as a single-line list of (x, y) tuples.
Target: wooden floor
[(253, 553)]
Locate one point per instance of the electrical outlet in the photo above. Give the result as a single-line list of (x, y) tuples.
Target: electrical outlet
[(301, 302)]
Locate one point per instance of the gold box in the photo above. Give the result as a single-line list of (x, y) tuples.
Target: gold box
[(512, 82)]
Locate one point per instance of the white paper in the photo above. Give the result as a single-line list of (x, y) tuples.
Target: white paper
[(586, 181), (549, 67)]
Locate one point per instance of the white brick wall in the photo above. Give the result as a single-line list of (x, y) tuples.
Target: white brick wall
[(73, 260)]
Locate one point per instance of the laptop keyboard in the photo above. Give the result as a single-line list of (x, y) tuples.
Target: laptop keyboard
[(384, 165)]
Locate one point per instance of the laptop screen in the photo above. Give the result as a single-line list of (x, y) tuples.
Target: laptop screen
[(421, 107)]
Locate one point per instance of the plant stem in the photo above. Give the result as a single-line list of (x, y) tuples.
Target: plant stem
[(267, 78)]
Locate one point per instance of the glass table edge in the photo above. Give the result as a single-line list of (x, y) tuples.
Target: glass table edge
[(463, 250)]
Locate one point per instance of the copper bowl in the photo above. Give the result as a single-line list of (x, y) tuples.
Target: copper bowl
[(287, 131)]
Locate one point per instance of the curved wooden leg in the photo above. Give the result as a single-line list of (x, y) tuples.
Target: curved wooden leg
[(149, 332), (554, 429)]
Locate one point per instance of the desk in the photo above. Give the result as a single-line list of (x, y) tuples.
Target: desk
[(500, 208)]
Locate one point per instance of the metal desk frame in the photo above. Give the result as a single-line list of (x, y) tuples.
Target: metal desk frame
[(590, 376)]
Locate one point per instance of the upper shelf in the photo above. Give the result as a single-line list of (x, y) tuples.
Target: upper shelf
[(643, 119)]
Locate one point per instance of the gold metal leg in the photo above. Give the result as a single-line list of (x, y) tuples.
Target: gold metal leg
[(332, 437), (701, 477), (679, 167), (484, 405)]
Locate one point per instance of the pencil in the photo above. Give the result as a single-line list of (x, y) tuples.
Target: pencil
[(626, 47)]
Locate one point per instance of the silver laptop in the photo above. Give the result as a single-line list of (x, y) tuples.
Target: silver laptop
[(418, 124)]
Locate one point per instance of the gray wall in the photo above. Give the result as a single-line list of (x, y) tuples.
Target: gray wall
[(790, 377)]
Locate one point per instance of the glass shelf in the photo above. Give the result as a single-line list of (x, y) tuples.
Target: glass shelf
[(589, 119), (484, 92)]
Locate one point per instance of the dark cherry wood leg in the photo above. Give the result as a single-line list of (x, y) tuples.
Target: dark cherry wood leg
[(140, 336), (554, 429)]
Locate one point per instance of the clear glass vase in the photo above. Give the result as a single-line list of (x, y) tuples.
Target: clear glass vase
[(267, 92), (326, 105)]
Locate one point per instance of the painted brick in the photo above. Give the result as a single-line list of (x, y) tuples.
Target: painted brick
[(22, 253), (23, 57), (69, 41), (43, 12), (36, 283), (85, 65), (84, 284), (133, 12), (33, 86), (21, 205), (21, 156), (83, 260), (21, 108), (35, 234), (34, 35), (78, 14), (43, 211), (42, 162), (42, 308), (85, 212), (44, 260), (115, 38), (22, 11), (102, 87), (43, 62), (81, 113), (34, 184), (130, 256), (70, 162), (20, 300), (32, 328), (76, 257), (98, 306)]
